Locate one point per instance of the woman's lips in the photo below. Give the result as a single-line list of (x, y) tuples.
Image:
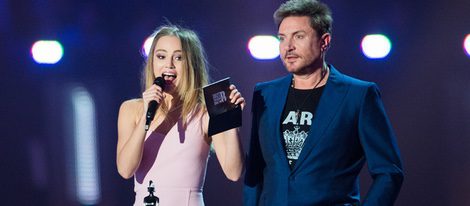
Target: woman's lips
[(169, 77)]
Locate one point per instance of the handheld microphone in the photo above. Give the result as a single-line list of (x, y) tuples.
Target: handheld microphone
[(153, 105)]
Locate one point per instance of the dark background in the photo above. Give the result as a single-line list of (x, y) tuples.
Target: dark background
[(424, 82)]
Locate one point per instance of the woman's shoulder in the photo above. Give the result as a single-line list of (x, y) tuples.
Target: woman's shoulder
[(131, 106), (132, 103), (199, 113)]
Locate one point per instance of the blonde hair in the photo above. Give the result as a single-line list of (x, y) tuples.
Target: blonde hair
[(194, 74)]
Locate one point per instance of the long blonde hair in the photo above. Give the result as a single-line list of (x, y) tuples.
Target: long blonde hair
[(194, 74)]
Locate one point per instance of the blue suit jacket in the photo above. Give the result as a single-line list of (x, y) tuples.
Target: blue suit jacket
[(350, 128)]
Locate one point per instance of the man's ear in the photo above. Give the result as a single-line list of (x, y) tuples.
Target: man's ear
[(325, 41)]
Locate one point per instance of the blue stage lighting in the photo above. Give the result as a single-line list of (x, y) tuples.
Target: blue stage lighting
[(87, 175)]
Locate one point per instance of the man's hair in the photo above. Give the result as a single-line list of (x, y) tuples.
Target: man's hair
[(319, 13)]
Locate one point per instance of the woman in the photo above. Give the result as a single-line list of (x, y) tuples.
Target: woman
[(173, 153)]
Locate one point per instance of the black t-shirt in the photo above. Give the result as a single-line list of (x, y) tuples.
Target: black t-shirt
[(296, 120)]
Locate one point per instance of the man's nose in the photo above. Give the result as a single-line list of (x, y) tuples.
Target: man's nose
[(289, 45)]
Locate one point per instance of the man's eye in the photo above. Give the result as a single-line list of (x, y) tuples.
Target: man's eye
[(299, 36), (280, 38)]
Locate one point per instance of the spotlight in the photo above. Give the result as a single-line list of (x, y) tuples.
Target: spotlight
[(47, 52), (146, 46), (376, 46), (264, 47), (466, 44)]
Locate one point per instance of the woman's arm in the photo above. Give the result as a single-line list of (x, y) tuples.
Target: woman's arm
[(131, 131), (229, 151), (131, 136), (227, 145)]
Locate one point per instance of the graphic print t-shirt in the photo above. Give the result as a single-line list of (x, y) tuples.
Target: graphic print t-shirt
[(296, 120)]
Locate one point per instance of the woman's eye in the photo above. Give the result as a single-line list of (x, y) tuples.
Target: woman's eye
[(179, 58), (160, 56)]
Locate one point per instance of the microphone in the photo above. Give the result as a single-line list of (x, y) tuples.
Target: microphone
[(153, 105)]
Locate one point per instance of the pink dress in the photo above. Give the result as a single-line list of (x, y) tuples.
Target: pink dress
[(176, 163)]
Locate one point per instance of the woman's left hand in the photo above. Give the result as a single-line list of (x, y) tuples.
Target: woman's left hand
[(236, 97)]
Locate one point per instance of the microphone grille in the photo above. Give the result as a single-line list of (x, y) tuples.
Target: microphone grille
[(160, 82)]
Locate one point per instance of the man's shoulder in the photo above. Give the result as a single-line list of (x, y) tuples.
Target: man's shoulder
[(353, 81), (357, 82), (272, 83)]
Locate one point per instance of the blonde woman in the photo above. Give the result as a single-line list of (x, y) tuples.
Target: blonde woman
[(173, 153)]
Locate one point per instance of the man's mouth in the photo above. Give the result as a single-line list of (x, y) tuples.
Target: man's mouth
[(291, 58)]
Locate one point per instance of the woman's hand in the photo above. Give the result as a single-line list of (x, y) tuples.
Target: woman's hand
[(153, 93), (236, 97)]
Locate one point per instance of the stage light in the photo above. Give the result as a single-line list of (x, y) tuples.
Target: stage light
[(87, 176), (264, 47), (466, 44), (146, 46), (376, 46), (47, 52)]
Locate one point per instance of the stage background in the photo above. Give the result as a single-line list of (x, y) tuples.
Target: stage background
[(424, 83)]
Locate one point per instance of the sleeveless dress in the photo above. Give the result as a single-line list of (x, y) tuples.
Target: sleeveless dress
[(176, 163)]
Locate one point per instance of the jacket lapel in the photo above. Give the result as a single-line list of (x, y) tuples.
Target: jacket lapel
[(279, 99), (330, 101)]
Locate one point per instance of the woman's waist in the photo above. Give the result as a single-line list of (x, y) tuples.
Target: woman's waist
[(173, 196), (169, 187)]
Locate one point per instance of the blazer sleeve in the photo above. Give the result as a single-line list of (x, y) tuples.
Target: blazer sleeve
[(255, 164), (381, 150)]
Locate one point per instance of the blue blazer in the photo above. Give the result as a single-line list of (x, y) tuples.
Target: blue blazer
[(350, 128)]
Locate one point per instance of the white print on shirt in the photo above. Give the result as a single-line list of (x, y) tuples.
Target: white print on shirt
[(294, 139), (294, 142), (305, 118)]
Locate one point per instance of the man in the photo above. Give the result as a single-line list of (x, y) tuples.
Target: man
[(313, 130)]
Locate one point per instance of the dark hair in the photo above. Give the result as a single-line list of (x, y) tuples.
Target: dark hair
[(319, 13)]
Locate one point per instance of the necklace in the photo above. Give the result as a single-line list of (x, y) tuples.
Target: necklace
[(323, 74)]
